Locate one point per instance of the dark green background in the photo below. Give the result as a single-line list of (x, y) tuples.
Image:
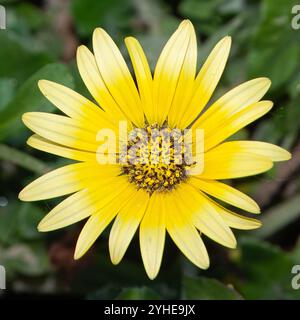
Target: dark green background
[(40, 42)]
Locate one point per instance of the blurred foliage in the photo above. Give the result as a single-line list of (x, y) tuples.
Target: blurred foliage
[(29, 98), (40, 42), (265, 268), (207, 289)]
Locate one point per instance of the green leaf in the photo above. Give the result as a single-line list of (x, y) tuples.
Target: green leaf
[(201, 288), (8, 221), (7, 90), (28, 218), (232, 6), (18, 222), (275, 42), (294, 86), (142, 293), (21, 60), (205, 13), (282, 125), (90, 14), (29, 98), (287, 51), (279, 217), (33, 16), (266, 271), (199, 9)]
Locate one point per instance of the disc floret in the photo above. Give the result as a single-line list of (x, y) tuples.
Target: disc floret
[(155, 158)]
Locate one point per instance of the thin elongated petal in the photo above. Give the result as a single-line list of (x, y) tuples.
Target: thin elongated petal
[(214, 134), (223, 163), (126, 224), (143, 76), (268, 150), (205, 217), (62, 130), (232, 219), (168, 69), (81, 205), (206, 81), (225, 193), (100, 220), (74, 105), (182, 231), (75, 208), (234, 101), (42, 144), (185, 83), (66, 180), (58, 182), (235, 220), (152, 235), (93, 80), (117, 77)]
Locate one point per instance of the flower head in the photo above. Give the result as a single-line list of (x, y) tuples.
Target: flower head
[(161, 176)]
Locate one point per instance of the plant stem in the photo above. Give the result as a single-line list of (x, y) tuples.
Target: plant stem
[(22, 159)]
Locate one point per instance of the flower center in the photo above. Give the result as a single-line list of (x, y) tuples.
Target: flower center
[(156, 158)]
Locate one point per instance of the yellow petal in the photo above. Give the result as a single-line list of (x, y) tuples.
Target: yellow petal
[(233, 219), (143, 76), (168, 69), (214, 134), (182, 231), (117, 77), (82, 204), (74, 105), (185, 83), (224, 163), (62, 130), (206, 81), (205, 217), (237, 221), (100, 220), (42, 144), (126, 224), (268, 150), (65, 180), (152, 235), (225, 193), (234, 101), (73, 209), (93, 80)]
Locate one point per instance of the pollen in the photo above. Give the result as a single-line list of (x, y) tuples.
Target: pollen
[(155, 158)]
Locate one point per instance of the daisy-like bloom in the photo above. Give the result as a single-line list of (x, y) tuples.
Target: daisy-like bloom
[(152, 197)]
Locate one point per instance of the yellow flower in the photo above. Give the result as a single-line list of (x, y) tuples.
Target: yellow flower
[(158, 196)]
